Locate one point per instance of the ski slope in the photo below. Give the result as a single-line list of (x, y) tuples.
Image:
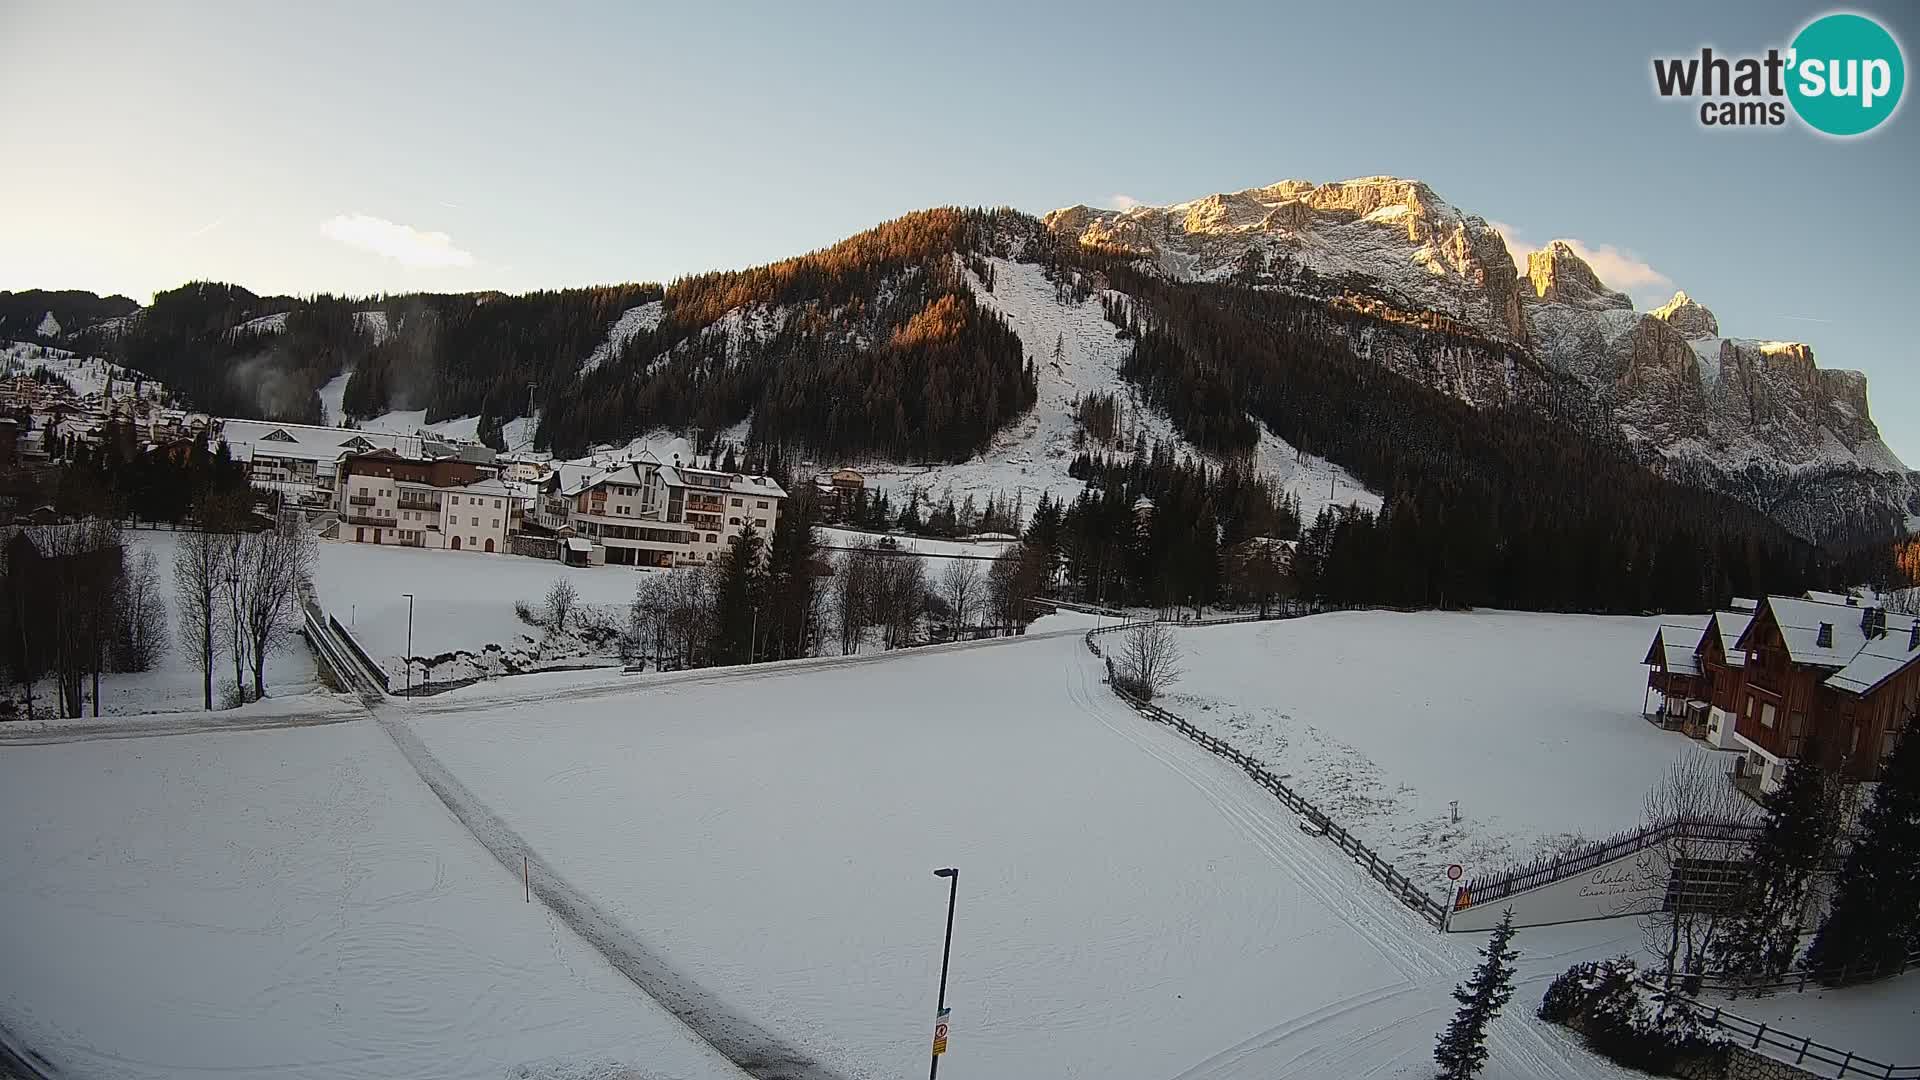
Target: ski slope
[(1530, 721), (290, 905), (1129, 907)]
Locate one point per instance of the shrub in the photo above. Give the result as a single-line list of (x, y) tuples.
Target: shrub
[(1602, 1001)]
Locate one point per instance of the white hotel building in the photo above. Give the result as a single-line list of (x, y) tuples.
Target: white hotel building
[(645, 513)]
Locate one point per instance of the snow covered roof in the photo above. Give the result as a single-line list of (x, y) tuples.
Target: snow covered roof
[(1801, 622), (575, 543), (1741, 603), (1730, 625), (1880, 657), (1675, 643), (711, 479), (307, 442)]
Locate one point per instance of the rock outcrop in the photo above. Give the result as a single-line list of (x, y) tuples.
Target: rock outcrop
[(1758, 419)]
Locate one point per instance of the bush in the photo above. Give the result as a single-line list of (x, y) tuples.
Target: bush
[(524, 612), (1602, 1001)]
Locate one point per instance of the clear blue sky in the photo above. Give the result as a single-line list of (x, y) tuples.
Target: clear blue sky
[(319, 147)]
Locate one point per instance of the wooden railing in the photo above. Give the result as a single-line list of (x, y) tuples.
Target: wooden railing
[(1486, 890), (1383, 872), (1793, 982), (1799, 1051)]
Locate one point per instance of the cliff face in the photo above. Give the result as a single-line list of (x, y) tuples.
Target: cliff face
[(1758, 419)]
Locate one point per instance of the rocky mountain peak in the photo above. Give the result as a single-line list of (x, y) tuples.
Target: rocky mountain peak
[(1560, 276), (1689, 318)]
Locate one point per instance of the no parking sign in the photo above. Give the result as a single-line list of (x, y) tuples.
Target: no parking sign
[(940, 1032)]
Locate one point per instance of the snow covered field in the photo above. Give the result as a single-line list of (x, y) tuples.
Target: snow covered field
[(289, 904), (1531, 721), (463, 600), (1128, 906)]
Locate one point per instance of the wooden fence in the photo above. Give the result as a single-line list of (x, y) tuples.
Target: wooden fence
[(1799, 1051), (1486, 890), (1396, 883), (1793, 982)]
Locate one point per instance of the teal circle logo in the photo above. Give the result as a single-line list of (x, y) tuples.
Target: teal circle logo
[(1847, 74)]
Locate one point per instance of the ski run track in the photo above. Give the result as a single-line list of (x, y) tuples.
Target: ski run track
[(1213, 938)]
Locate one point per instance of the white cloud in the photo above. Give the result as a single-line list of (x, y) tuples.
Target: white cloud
[(1618, 268), (1123, 202), (402, 243)]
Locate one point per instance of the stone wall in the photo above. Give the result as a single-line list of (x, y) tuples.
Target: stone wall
[(1745, 1064)]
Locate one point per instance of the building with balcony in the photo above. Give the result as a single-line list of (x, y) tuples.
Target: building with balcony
[(647, 513), (386, 498)]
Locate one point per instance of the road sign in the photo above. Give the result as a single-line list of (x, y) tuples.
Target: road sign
[(1454, 872), (940, 1032)]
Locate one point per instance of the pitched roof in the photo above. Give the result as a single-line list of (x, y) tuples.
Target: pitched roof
[(1800, 622), (1676, 643), (1730, 625), (1879, 659)]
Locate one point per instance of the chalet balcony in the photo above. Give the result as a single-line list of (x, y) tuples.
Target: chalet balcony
[(360, 500), (369, 519)]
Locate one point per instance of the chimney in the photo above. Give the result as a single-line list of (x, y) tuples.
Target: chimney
[(1873, 622), (1824, 639)]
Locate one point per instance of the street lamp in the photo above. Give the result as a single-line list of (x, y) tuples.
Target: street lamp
[(952, 874), (409, 657)]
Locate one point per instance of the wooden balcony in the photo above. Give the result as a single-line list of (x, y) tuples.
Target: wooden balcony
[(360, 500)]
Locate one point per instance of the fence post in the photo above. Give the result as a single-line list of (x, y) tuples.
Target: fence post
[(1758, 1035), (1846, 1065), (1805, 1041)]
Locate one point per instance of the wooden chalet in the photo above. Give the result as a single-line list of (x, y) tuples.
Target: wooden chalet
[(1675, 676), (1837, 668)]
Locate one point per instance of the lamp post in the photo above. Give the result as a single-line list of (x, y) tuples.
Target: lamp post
[(409, 657), (952, 874)]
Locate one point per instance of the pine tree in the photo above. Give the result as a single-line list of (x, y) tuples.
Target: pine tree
[(736, 600), (1462, 1048), (1803, 823), (1875, 918)]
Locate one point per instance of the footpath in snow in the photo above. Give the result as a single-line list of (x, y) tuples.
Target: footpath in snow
[(294, 905)]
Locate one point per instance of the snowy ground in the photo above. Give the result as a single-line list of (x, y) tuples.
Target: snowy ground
[(174, 685), (936, 555), (463, 600), (289, 904), (1531, 721), (1128, 906)]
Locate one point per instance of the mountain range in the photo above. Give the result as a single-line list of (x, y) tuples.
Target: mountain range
[(959, 348)]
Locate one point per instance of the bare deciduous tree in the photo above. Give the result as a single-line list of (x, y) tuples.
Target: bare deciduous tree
[(1149, 660), (199, 570), (562, 598), (1701, 894), (960, 586), (273, 570), (143, 617)]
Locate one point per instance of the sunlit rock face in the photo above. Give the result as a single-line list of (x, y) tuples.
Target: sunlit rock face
[(1758, 419)]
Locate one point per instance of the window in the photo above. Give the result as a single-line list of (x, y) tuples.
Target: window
[(736, 502), (455, 499), (496, 523), (1766, 716), (496, 504), (712, 539), (761, 505), (733, 521), (476, 522), (472, 540), (760, 523)]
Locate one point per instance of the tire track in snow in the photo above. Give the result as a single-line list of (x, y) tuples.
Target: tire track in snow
[(754, 1049)]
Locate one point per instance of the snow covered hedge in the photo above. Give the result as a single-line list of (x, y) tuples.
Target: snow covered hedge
[(1604, 1001)]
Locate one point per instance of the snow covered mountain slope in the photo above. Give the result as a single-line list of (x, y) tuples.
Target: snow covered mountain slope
[(1076, 354), (1757, 420)]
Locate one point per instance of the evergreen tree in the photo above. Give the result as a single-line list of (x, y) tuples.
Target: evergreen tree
[(789, 612), (1803, 823), (1874, 922), (1462, 1048), (736, 599)]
